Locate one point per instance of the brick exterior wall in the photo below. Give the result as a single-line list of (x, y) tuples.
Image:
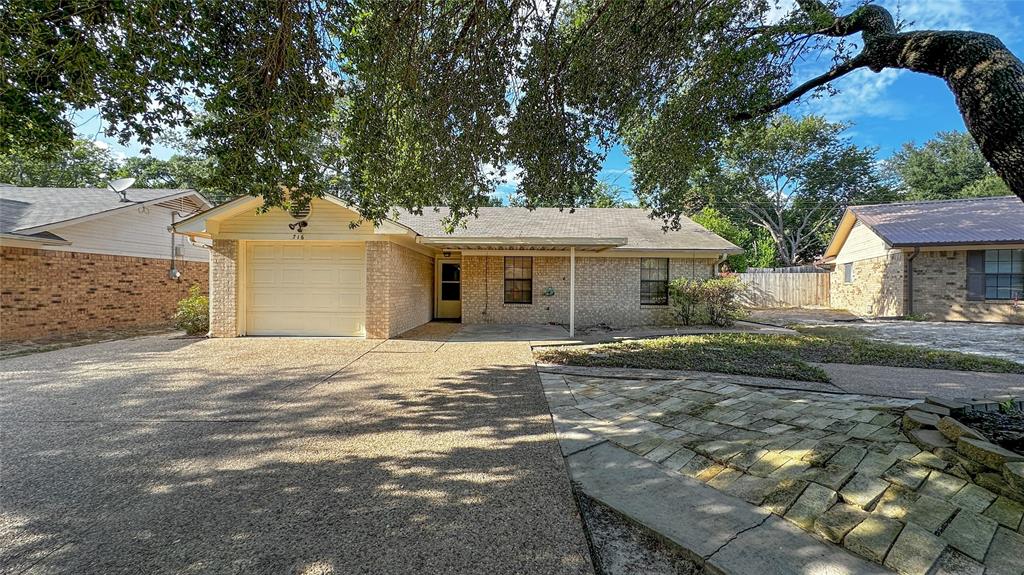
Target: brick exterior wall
[(877, 290), (399, 289), (224, 289), (607, 291), (377, 256), (49, 294), (940, 291)]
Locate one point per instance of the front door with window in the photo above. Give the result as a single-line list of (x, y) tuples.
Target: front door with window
[(448, 280)]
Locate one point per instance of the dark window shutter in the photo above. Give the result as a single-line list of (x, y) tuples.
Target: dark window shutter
[(975, 275)]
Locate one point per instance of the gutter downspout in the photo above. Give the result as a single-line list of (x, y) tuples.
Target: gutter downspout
[(910, 281)]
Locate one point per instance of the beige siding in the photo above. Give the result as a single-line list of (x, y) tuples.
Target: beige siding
[(861, 244), (137, 232), (327, 221)]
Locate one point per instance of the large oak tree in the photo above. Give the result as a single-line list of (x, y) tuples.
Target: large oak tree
[(424, 102)]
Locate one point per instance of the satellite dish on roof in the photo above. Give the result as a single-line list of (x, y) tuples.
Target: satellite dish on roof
[(120, 186)]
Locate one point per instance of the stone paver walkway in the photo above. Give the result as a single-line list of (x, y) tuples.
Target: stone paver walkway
[(835, 465)]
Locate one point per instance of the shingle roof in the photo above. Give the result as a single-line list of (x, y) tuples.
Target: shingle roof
[(640, 231), (25, 208), (946, 222)]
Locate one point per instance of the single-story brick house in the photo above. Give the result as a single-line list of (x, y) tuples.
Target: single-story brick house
[(76, 260), (325, 272), (958, 260)]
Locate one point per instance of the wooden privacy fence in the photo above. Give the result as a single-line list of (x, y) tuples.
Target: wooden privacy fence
[(778, 289)]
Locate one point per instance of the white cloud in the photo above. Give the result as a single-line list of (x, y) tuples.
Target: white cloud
[(863, 93)]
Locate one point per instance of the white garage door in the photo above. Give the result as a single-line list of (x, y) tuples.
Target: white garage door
[(301, 288)]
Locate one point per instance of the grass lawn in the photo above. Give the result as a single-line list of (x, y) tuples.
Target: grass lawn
[(781, 356)]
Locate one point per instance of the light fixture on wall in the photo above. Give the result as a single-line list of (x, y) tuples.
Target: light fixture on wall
[(446, 254)]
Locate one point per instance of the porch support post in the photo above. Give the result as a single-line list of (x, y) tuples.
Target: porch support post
[(572, 291)]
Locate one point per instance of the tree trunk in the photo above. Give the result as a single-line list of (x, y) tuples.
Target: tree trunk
[(986, 78)]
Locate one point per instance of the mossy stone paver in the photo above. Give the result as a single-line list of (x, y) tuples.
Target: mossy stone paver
[(814, 501), (781, 497), (863, 490), (942, 485), (971, 534), (1007, 512), (835, 523), (906, 474), (930, 513), (873, 537), (914, 552), (896, 502), (1006, 554), (974, 498), (988, 454)]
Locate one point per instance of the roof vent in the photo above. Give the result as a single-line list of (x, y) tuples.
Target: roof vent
[(120, 187)]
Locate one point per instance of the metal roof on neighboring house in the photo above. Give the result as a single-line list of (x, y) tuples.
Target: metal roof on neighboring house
[(995, 220), (23, 208), (634, 225)]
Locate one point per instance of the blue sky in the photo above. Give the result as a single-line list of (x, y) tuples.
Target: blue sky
[(885, 109)]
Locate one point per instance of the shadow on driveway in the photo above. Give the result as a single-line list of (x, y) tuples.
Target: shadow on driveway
[(282, 456)]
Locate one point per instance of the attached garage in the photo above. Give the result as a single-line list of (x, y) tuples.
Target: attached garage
[(304, 288)]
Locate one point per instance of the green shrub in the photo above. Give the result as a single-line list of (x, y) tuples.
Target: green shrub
[(193, 315), (713, 301), (685, 297), (721, 300)]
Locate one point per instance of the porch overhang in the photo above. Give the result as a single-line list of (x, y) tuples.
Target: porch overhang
[(522, 243)]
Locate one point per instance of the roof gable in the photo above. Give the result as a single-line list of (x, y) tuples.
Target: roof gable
[(31, 210), (946, 222), (971, 221)]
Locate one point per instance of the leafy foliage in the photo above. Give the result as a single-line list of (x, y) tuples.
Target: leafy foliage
[(602, 195), (792, 178), (83, 164), (685, 297), (86, 164), (712, 301), (193, 314), (947, 167), (717, 222), (409, 104)]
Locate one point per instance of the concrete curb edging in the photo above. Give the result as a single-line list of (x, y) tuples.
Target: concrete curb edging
[(725, 534)]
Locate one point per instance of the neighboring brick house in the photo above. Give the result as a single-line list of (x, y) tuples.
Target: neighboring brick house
[(326, 272), (957, 260), (78, 260)]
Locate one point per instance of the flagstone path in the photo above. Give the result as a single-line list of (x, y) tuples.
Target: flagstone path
[(835, 465)]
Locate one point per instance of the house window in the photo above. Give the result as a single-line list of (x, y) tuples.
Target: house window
[(848, 273), (654, 281), (518, 279), (1004, 274)]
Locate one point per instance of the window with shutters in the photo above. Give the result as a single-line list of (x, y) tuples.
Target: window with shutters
[(518, 279), (1004, 274), (654, 281)]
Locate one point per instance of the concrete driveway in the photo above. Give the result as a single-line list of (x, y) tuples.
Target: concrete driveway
[(267, 455)]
